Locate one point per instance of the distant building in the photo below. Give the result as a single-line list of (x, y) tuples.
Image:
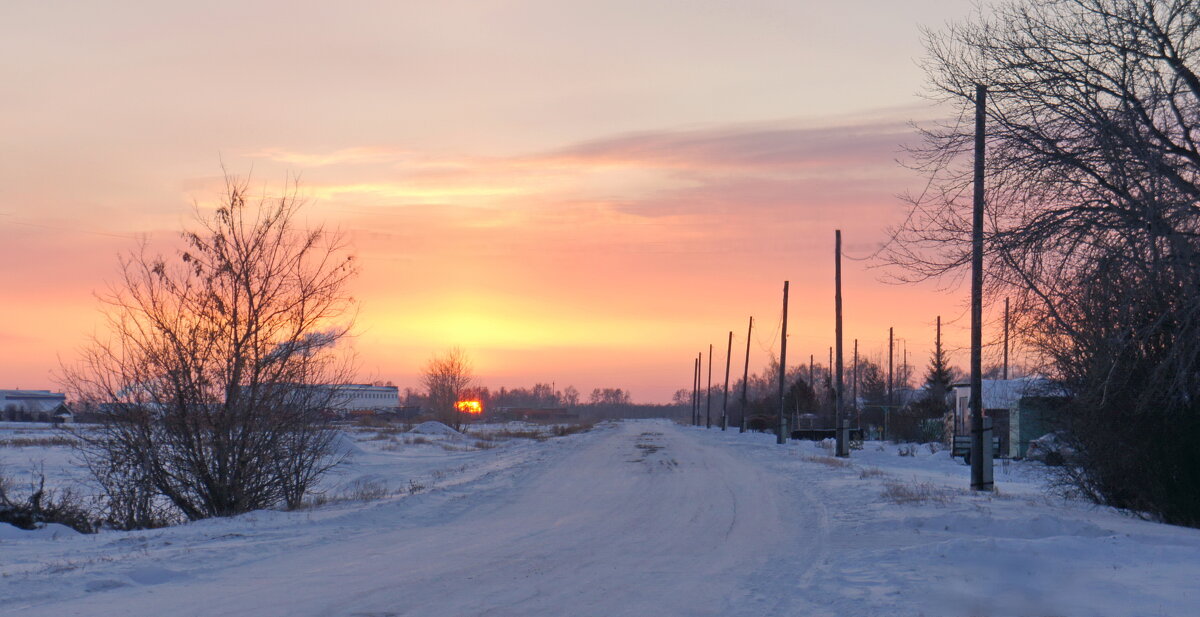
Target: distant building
[(32, 405), (359, 399)]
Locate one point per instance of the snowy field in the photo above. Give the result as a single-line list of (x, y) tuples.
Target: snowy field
[(639, 518)]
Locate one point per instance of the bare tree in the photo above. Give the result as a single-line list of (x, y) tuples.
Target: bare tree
[(1093, 197), (446, 377), (219, 364), (610, 397), (571, 396)]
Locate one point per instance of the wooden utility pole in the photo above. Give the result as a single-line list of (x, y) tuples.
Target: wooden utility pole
[(981, 447), (696, 390), (781, 432), (708, 392), (812, 379), (887, 411), (891, 354), (938, 341), (746, 373), (1006, 339), (725, 398), (854, 379), (937, 351), (843, 448)]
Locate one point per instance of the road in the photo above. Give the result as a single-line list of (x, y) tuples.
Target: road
[(644, 518)]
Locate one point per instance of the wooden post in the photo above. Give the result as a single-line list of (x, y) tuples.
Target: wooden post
[(843, 448), (891, 355), (708, 392), (781, 431), (981, 472), (725, 397), (696, 391), (854, 380), (746, 373), (1006, 339)]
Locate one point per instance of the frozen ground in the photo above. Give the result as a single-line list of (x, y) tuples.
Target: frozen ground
[(638, 518)]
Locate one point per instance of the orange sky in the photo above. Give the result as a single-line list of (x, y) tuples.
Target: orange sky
[(582, 193)]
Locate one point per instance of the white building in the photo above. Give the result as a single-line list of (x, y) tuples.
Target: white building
[(351, 398), (31, 405)]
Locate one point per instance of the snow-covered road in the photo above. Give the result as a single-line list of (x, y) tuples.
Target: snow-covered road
[(642, 519)]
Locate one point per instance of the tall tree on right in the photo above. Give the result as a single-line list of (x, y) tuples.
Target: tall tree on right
[(1093, 221)]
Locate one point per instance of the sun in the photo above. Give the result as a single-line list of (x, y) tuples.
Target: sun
[(472, 407)]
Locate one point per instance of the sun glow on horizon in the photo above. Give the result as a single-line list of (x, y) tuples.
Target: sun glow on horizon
[(469, 407)]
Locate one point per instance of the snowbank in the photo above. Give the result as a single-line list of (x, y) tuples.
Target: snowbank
[(52, 531), (434, 427)]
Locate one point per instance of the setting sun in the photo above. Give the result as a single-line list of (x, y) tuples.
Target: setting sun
[(472, 407)]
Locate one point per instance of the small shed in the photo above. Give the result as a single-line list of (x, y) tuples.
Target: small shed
[(1021, 410)]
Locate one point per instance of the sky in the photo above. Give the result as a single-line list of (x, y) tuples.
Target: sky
[(577, 193)]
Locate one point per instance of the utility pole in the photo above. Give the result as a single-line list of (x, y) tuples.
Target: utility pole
[(708, 392), (981, 442), (854, 379), (843, 447), (746, 373), (725, 398), (781, 433), (695, 390), (1006, 339), (812, 380), (938, 341), (891, 354)]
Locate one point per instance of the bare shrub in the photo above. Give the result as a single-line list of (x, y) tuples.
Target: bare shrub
[(533, 433), (415, 487), (209, 383), (562, 430), (37, 442), (128, 497), (872, 472), (373, 422), (36, 505), (365, 489), (916, 492)]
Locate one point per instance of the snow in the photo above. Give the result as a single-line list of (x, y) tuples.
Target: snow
[(636, 518), (434, 427), (51, 531)]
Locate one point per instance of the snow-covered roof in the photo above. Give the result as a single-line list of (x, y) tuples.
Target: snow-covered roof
[(1005, 393), (32, 400)]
